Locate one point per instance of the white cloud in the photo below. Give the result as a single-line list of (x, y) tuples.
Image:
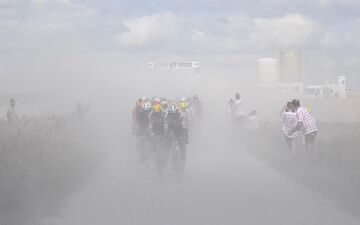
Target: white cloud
[(331, 39), (39, 2), (292, 29), (48, 26), (11, 1), (205, 41), (7, 25), (331, 2), (149, 29), (260, 33), (348, 37)]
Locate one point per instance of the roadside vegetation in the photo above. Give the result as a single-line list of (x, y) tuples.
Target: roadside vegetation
[(42, 161), (332, 169)]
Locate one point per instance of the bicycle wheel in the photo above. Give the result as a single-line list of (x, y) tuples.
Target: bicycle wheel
[(160, 158), (177, 161)]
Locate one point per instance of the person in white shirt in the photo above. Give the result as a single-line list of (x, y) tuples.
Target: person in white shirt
[(289, 119), (238, 110), (238, 106)]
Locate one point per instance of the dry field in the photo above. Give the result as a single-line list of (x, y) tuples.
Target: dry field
[(332, 169), (42, 160)]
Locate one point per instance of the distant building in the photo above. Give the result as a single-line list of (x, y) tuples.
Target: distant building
[(290, 65), (283, 77), (280, 77), (327, 90)]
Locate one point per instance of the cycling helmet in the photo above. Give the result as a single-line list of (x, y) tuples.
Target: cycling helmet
[(156, 101), (182, 105), (140, 101), (156, 108), (164, 104), (147, 106), (173, 109)]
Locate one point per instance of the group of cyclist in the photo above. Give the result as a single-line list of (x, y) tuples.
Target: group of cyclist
[(163, 125)]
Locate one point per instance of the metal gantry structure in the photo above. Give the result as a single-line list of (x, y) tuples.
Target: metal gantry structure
[(194, 65)]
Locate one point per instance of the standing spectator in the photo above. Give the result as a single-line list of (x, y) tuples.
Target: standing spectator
[(238, 110), (253, 121), (231, 107), (82, 109), (306, 123), (11, 111), (289, 119), (238, 106)]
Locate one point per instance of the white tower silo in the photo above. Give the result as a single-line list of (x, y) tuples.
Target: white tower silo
[(290, 65)]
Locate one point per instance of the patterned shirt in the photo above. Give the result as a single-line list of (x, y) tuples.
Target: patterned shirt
[(309, 124), (289, 122)]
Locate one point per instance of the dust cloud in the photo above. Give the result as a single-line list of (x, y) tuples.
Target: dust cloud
[(71, 170), (75, 76)]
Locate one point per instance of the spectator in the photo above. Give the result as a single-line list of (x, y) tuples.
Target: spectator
[(81, 109), (237, 110), (289, 120), (254, 121), (306, 123), (11, 111)]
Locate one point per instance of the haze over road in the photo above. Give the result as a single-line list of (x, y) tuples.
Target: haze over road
[(223, 185), (72, 71)]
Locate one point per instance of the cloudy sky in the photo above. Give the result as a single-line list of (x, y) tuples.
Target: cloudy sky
[(326, 31)]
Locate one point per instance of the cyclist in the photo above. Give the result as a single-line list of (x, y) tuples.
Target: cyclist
[(142, 129), (187, 116), (155, 101), (197, 106), (157, 129), (143, 119), (135, 113), (164, 107), (176, 129), (157, 121)]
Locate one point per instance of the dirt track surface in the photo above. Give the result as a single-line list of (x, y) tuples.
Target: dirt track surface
[(223, 185)]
